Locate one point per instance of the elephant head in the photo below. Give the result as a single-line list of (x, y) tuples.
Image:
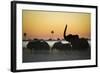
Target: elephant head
[(75, 41)]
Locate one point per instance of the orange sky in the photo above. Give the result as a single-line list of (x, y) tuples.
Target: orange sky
[(39, 24)]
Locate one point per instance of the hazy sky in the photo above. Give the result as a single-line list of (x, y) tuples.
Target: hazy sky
[(39, 24)]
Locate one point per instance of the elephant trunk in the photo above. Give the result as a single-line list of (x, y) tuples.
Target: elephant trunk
[(65, 32)]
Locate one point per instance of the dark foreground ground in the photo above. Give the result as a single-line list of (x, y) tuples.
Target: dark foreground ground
[(54, 55)]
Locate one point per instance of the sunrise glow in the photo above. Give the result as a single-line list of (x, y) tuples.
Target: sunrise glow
[(39, 24)]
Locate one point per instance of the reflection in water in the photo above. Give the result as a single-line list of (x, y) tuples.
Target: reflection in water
[(54, 53)]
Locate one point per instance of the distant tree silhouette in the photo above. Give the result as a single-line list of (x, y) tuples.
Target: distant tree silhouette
[(52, 32), (49, 39), (58, 38), (35, 39), (25, 35)]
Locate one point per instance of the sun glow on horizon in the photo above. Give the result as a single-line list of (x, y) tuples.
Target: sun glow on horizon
[(39, 24)]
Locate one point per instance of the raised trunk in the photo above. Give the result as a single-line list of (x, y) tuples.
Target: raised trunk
[(65, 32)]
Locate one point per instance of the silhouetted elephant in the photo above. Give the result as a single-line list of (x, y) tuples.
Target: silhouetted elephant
[(76, 42), (60, 46), (38, 45)]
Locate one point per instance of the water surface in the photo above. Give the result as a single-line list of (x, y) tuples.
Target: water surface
[(30, 55)]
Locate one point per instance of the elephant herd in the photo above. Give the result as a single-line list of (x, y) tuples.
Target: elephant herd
[(75, 43)]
